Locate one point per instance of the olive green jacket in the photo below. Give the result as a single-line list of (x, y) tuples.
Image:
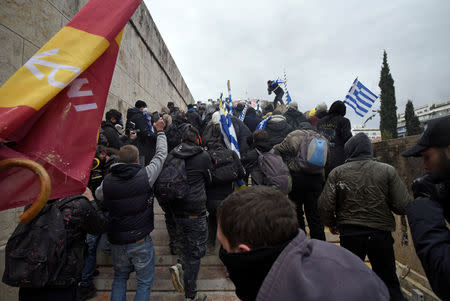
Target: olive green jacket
[(363, 192)]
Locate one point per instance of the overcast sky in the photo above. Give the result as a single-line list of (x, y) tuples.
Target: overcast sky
[(322, 45)]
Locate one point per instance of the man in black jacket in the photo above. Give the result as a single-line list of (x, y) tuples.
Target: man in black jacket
[(251, 120), (128, 195), (81, 216), (294, 117), (139, 120), (431, 208), (275, 88), (112, 117), (336, 128), (190, 213)]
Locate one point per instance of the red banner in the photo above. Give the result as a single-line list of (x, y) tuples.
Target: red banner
[(61, 133)]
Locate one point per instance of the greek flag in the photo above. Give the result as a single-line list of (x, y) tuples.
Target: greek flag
[(244, 111), (228, 132), (288, 97), (359, 98), (262, 125)]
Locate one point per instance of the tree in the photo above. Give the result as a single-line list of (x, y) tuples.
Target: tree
[(412, 121), (388, 108)]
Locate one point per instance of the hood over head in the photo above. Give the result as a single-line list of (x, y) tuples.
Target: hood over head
[(338, 108), (359, 146), (186, 150)]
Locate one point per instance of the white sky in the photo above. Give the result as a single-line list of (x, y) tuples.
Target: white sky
[(322, 44)]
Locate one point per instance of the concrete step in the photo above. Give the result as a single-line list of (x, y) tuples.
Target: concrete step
[(171, 296), (210, 278)]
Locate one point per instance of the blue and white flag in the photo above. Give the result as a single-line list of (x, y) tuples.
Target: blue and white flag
[(257, 106), (244, 112), (228, 132), (262, 125), (288, 97), (359, 98)]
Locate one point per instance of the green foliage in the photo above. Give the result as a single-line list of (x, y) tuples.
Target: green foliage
[(412, 121), (388, 107)]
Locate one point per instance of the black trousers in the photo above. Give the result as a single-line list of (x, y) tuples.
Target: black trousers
[(278, 98), (45, 294), (305, 192), (378, 246)]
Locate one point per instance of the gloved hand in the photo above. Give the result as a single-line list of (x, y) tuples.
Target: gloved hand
[(424, 187)]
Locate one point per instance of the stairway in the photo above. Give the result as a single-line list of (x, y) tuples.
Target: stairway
[(212, 279)]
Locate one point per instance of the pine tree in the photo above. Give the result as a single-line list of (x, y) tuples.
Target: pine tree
[(411, 120), (388, 108)]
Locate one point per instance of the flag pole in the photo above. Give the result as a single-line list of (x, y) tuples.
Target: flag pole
[(44, 180)]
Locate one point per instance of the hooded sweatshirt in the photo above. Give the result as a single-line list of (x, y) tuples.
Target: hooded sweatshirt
[(277, 128), (336, 128), (310, 269)]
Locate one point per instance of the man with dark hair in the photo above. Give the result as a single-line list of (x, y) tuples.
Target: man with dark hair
[(251, 120), (431, 208), (113, 117), (190, 213), (139, 121), (128, 195), (357, 200), (268, 258), (273, 86), (336, 128)]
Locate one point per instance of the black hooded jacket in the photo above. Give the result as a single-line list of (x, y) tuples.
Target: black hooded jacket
[(111, 134), (251, 120), (294, 118), (277, 128), (336, 128), (198, 166), (250, 160)]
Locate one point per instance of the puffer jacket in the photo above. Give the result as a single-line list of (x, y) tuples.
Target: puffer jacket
[(362, 192), (198, 169), (277, 128)]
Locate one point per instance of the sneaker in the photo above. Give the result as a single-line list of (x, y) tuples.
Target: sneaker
[(176, 273), (199, 297), (87, 292)]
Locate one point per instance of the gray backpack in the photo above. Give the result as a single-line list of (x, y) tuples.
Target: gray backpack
[(312, 155), (274, 172)]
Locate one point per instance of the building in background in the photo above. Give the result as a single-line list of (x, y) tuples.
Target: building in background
[(373, 133), (425, 113)]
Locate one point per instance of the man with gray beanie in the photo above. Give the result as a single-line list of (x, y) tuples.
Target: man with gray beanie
[(357, 202), (293, 116)]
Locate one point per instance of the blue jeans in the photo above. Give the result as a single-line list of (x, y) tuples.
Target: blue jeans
[(194, 236), (141, 256), (90, 264)]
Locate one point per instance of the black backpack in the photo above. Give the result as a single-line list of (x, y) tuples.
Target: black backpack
[(172, 184), (225, 168), (36, 252)]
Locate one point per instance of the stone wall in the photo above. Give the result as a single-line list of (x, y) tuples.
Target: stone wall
[(144, 70)]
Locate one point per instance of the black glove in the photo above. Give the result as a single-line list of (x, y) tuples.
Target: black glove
[(424, 187)]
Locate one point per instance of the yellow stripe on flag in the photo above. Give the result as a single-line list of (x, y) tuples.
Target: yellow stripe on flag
[(52, 68), (119, 37)]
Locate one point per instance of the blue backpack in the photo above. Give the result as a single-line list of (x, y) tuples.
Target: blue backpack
[(312, 155)]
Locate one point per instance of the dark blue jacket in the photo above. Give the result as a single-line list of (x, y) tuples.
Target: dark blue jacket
[(432, 241)]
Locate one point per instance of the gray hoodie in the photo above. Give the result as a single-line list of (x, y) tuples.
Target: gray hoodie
[(310, 269)]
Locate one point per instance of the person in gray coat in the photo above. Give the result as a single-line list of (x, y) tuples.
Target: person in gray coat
[(357, 202), (268, 258)]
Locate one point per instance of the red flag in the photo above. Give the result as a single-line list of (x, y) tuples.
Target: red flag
[(51, 109)]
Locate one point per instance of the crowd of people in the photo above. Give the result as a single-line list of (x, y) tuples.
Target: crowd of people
[(295, 166)]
